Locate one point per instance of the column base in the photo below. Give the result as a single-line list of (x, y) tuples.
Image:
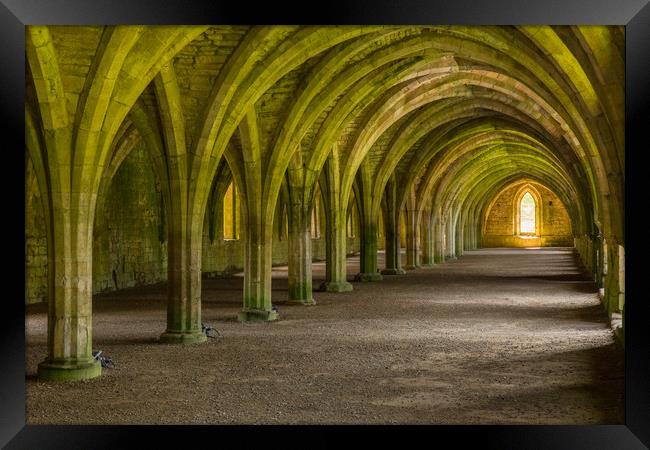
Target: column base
[(612, 308), (439, 259), (67, 371), (619, 336), (393, 272), (336, 286), (376, 276), (257, 315), (190, 337), (411, 267), (304, 302)]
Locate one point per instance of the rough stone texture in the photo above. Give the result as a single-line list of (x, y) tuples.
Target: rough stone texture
[(450, 114), (197, 66), (76, 49), (500, 223), (35, 241), (130, 240), (498, 336)]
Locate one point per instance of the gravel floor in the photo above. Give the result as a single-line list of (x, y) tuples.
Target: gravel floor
[(498, 336)]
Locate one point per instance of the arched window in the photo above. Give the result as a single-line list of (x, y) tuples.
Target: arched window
[(527, 214), (230, 213)]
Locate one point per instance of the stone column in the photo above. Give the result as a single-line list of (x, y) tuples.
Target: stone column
[(257, 232), (368, 263), (621, 278), (615, 277), (438, 234), (393, 263), (258, 246), (469, 241), (476, 233), (393, 259), (336, 231), (597, 260), (183, 280), (335, 245), (300, 253), (426, 231), (69, 324), (459, 238), (471, 236), (411, 239), (450, 240), (605, 269)]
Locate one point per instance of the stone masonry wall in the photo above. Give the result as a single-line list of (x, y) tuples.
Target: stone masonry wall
[(130, 236), (129, 246), (500, 224), (35, 241)]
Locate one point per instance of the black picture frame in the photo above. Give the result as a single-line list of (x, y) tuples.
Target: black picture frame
[(634, 14)]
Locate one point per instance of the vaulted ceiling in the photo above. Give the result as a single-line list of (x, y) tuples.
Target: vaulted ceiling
[(453, 113)]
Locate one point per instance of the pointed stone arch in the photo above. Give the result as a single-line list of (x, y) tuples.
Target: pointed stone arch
[(529, 189)]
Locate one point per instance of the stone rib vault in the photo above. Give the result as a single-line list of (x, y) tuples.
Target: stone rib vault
[(181, 152)]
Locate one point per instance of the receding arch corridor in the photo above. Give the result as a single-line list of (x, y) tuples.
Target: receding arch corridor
[(494, 336)]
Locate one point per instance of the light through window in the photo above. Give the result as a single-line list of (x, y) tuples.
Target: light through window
[(527, 214)]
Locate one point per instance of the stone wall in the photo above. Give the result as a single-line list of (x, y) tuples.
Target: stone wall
[(35, 241), (500, 230), (223, 256), (130, 236), (129, 245)]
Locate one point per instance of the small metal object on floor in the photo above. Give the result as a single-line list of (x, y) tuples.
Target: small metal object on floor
[(105, 361), (210, 332)]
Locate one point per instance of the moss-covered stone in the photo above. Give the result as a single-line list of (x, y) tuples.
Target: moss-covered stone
[(336, 286), (69, 371), (191, 337), (407, 134), (258, 316)]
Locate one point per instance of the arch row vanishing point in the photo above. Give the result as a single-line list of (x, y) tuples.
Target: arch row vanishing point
[(224, 138)]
